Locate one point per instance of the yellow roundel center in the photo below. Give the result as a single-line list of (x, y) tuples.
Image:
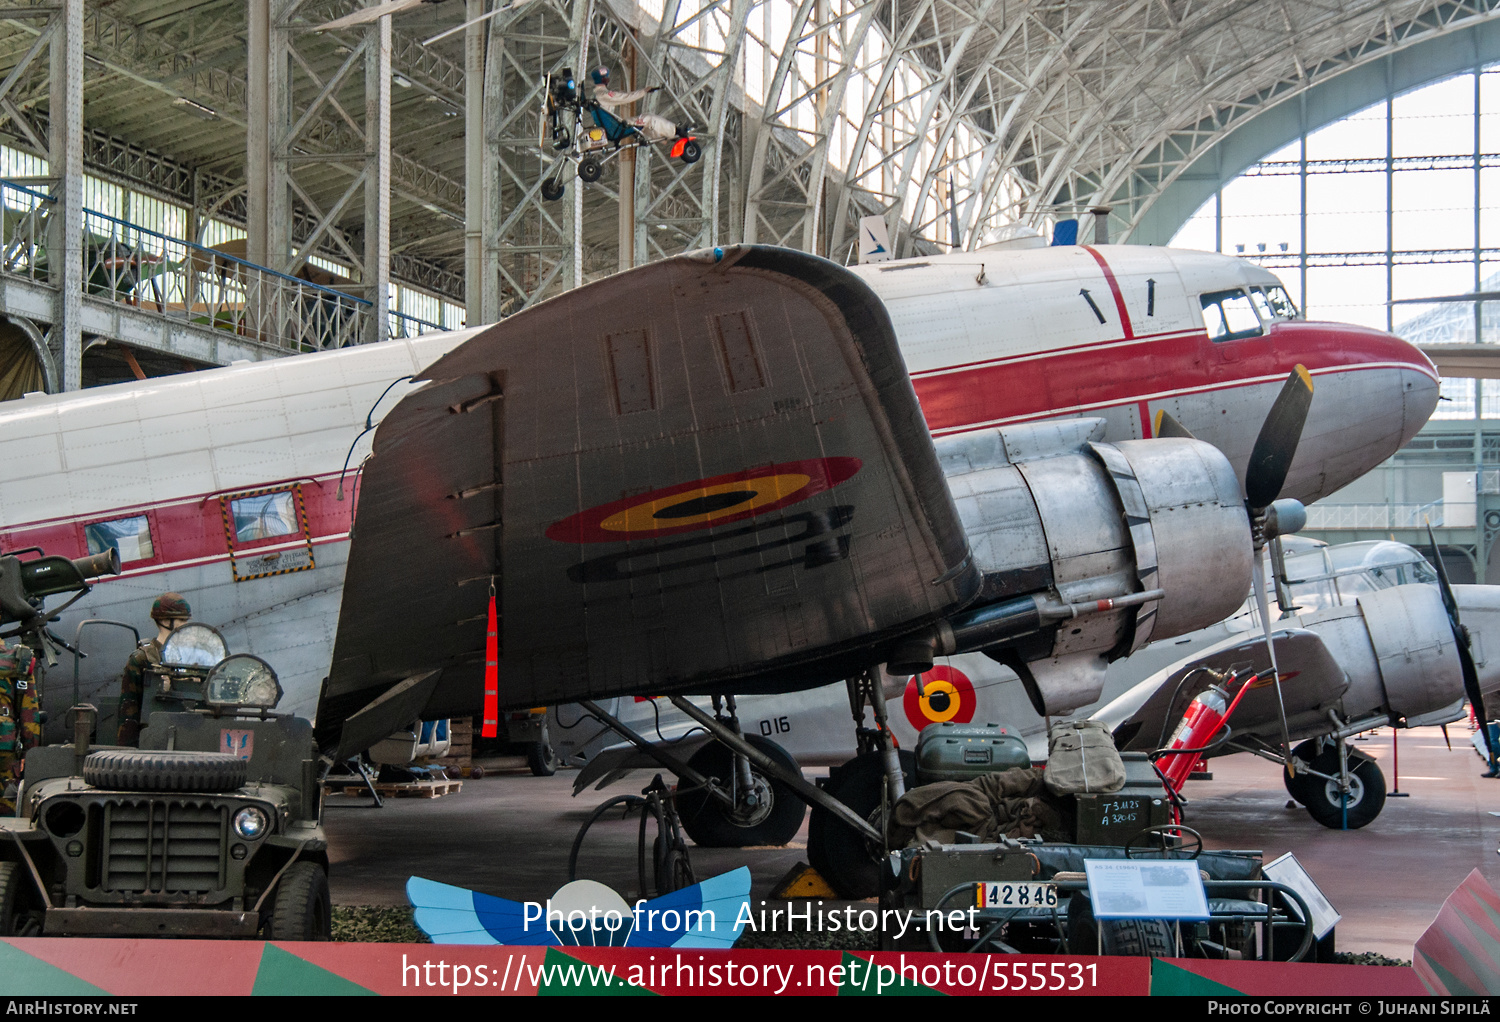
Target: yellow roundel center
[(706, 503), (945, 695)]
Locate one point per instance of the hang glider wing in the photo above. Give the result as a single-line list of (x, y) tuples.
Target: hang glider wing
[(707, 473)]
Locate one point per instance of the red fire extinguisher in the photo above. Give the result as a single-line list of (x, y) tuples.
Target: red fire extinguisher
[(1204, 716)]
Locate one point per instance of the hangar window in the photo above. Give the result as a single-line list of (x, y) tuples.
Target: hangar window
[(264, 516), (1230, 316), (130, 536)]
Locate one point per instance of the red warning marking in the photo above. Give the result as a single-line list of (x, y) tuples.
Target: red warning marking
[(949, 696), (704, 503)]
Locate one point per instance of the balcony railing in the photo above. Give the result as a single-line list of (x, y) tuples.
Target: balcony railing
[(148, 270), (1375, 516)]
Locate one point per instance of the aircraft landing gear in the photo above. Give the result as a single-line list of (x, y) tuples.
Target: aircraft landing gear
[(1339, 777), (869, 785), (765, 810)]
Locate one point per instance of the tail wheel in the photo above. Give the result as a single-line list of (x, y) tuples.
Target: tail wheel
[(846, 859), (691, 151), (590, 170), (773, 820), (552, 189)]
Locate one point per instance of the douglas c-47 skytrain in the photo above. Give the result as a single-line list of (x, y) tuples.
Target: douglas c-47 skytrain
[(741, 470)]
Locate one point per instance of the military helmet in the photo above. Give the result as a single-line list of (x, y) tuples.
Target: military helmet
[(169, 606)]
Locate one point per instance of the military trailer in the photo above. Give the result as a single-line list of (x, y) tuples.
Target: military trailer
[(211, 828)]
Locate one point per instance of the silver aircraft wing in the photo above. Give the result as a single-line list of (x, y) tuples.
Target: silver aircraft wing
[(707, 473)]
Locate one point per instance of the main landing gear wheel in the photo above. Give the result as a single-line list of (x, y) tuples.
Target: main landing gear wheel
[(1322, 797), (552, 189), (846, 859), (590, 170), (773, 820)]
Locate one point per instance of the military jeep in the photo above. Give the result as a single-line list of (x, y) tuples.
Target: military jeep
[(211, 828)]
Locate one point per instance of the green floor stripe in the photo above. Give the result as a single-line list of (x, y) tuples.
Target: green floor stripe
[(855, 984), (565, 976), (283, 974), (1169, 980), (22, 974)]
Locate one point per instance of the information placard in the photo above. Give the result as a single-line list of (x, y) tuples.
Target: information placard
[(1146, 889), (1287, 870)]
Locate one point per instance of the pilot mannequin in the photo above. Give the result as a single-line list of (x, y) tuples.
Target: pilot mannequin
[(653, 127), (170, 611)]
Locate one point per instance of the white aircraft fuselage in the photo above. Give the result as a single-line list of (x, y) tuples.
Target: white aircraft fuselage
[(238, 486)]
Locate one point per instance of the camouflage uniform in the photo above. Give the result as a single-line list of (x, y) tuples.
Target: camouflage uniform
[(19, 728), (166, 607), (132, 690)]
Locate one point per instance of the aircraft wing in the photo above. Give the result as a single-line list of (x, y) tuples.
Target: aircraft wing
[(707, 473), (1144, 718)]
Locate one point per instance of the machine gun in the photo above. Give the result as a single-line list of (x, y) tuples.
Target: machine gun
[(25, 586)]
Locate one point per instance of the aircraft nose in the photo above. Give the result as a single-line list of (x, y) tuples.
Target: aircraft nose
[(1419, 387), (1479, 612)]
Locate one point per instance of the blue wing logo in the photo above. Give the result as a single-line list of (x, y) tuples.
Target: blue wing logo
[(584, 913), (875, 241)]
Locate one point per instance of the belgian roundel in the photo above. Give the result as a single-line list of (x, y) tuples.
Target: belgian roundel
[(948, 696), (704, 503)]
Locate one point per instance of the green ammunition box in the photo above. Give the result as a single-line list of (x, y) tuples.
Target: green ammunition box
[(1115, 818)]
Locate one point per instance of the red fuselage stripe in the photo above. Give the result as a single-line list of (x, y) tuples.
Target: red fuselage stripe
[(1114, 289), (188, 531)]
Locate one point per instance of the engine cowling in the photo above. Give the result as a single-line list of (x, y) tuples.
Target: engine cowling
[(1088, 551)]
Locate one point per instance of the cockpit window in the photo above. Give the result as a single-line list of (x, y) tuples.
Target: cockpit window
[(1230, 316), (1280, 302)]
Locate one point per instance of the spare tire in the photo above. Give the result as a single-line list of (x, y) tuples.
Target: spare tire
[(162, 770)]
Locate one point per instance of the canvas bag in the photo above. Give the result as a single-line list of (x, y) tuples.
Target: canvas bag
[(1082, 758)]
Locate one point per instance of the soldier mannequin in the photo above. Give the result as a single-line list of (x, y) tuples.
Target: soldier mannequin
[(169, 611), (20, 729)]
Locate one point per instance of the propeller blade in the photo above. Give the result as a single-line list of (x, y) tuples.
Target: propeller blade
[(1165, 425), (1444, 586), (1471, 689), (1259, 575), (1465, 655), (1276, 446)]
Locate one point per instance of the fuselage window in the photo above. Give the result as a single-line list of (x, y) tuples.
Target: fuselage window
[(130, 536), (264, 516), (1230, 316)]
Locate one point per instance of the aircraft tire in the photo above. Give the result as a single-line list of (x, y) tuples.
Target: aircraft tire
[(541, 759), (710, 826), (840, 855), (590, 170), (691, 152), (1366, 800), (302, 909), (1303, 788), (553, 188)]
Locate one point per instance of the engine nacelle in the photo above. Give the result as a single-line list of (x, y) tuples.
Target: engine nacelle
[(1090, 550)]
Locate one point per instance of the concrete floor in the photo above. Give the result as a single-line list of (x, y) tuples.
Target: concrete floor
[(509, 834)]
